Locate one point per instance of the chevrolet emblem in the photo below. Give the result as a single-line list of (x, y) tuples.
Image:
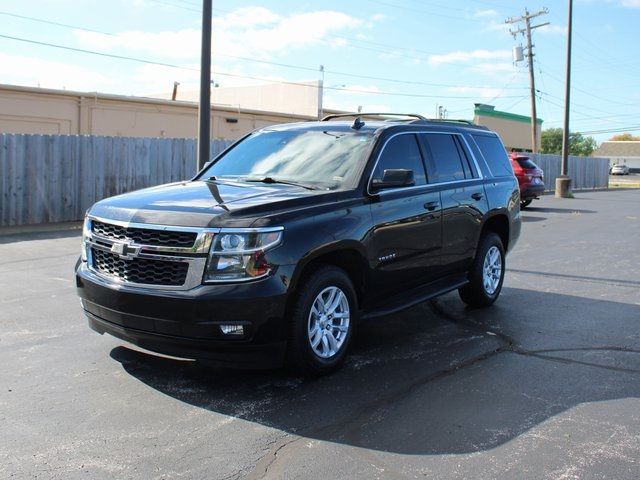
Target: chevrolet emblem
[(124, 250)]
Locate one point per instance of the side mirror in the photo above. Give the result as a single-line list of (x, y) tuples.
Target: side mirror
[(394, 178)]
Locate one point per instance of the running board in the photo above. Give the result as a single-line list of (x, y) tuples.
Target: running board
[(416, 296)]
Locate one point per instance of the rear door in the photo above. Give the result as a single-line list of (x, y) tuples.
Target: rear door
[(462, 196), (407, 230)]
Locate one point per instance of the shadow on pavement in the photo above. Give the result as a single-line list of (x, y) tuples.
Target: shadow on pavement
[(559, 210), (30, 236), (609, 281), (528, 219), (436, 379)]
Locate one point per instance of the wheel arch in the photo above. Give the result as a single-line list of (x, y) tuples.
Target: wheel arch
[(497, 223), (349, 256)]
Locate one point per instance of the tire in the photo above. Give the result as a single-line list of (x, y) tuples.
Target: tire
[(478, 293), (333, 335), (525, 203)]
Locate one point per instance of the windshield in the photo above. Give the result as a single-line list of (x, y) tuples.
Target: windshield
[(323, 159)]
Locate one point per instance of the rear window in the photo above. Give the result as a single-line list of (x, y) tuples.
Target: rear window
[(526, 163), (494, 154)]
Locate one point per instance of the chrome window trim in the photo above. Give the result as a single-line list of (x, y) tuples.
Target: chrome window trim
[(415, 132)]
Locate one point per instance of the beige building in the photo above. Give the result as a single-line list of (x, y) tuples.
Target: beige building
[(295, 98), (46, 111), (515, 130)]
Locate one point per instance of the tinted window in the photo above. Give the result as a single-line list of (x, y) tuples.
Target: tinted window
[(526, 163), (445, 158), (494, 154), (329, 159), (402, 152)]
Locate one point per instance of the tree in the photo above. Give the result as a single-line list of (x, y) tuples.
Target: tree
[(625, 137), (551, 142)]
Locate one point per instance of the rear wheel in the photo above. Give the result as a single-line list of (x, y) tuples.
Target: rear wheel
[(487, 273), (322, 322), (525, 203)]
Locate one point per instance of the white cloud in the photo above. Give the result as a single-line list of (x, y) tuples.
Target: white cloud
[(21, 70), (469, 56), (250, 31), (179, 44), (630, 3)]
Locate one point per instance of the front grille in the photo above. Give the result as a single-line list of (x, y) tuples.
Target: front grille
[(144, 236), (140, 270)]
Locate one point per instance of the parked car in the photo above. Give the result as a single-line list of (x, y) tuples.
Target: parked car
[(530, 178), (278, 248), (619, 169)]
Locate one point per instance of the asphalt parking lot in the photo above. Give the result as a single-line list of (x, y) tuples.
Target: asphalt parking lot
[(631, 180), (545, 384)]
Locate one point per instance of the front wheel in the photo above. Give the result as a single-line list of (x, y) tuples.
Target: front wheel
[(525, 203), (487, 273), (322, 322)]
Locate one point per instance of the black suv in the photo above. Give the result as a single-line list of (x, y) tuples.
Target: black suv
[(284, 242)]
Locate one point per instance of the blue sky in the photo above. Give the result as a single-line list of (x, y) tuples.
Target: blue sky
[(391, 55)]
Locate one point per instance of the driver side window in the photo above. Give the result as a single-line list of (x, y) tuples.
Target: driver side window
[(402, 151)]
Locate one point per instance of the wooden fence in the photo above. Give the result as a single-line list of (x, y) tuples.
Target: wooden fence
[(586, 172), (55, 178)]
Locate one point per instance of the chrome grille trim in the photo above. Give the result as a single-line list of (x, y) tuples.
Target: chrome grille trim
[(196, 255)]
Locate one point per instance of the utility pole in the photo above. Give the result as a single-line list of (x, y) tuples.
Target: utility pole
[(321, 93), (204, 110), (563, 182), (526, 31)]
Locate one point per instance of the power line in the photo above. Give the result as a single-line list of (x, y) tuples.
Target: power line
[(58, 24), (419, 10), (526, 31), (632, 128), (170, 65), (279, 64)]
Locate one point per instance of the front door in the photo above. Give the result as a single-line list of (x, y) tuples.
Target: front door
[(407, 222)]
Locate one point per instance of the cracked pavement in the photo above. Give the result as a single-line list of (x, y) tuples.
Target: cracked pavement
[(544, 385)]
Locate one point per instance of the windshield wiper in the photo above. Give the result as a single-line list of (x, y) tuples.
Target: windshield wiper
[(277, 180)]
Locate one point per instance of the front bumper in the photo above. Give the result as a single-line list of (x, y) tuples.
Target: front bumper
[(187, 323)]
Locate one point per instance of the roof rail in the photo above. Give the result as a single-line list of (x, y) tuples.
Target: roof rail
[(370, 114), (451, 120)]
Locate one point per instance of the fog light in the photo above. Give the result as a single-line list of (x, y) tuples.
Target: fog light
[(232, 329)]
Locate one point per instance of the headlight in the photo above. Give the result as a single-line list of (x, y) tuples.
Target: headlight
[(239, 255), (86, 232)]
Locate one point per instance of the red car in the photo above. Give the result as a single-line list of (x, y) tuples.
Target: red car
[(530, 178)]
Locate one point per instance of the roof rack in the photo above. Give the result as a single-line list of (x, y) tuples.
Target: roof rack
[(368, 114), (451, 120)]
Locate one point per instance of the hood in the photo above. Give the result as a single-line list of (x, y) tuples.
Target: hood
[(199, 204)]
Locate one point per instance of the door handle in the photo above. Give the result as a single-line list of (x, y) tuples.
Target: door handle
[(477, 196), (431, 205)]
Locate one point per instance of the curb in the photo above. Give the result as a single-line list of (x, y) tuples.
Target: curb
[(40, 228)]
